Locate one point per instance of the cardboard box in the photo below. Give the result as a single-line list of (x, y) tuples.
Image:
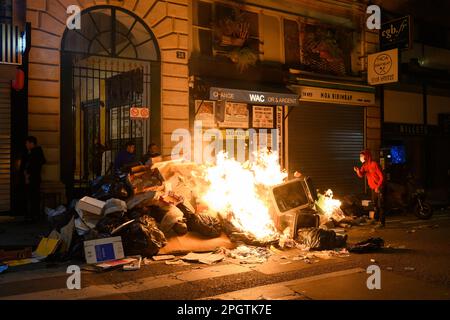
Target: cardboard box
[(102, 250), (91, 205)]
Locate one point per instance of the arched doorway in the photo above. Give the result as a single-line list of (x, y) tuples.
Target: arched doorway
[(107, 67)]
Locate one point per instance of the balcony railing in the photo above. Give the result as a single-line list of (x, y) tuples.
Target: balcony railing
[(12, 44)]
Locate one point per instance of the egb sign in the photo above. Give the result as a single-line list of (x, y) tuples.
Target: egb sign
[(396, 34)]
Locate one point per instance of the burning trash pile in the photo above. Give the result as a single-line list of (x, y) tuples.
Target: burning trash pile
[(135, 214)]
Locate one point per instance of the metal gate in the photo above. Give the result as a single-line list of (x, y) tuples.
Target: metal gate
[(324, 143), (103, 123), (108, 66)]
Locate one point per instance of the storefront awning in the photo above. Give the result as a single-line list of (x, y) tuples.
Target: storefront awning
[(254, 97), (251, 93), (334, 92)]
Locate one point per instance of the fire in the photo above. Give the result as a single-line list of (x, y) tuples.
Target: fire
[(239, 191), (330, 205)]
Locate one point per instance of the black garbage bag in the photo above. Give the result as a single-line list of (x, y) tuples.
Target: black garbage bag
[(110, 222), (59, 221), (203, 224), (142, 237), (321, 239), (366, 246), (116, 186)]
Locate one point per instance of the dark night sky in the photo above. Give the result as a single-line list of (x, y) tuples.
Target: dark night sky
[(433, 11)]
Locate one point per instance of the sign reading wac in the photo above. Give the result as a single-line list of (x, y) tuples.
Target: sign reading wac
[(396, 34), (253, 97), (383, 67)]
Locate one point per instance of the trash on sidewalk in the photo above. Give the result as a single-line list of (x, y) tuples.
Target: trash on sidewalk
[(369, 245), (321, 239), (142, 237), (46, 247), (201, 223), (3, 268), (140, 200), (91, 205), (134, 266), (114, 206), (249, 255), (107, 265), (15, 254), (55, 212), (205, 258), (102, 250), (177, 263), (163, 257)]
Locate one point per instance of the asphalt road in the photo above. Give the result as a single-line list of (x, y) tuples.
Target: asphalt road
[(414, 265)]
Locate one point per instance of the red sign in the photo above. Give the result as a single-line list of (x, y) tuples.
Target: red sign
[(139, 113)]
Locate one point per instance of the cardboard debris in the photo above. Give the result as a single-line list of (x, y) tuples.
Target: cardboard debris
[(177, 263), (46, 247), (163, 257), (205, 258), (91, 205), (134, 266), (115, 263), (102, 250)]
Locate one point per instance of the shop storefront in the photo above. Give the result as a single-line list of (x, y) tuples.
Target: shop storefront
[(326, 133), (246, 114)]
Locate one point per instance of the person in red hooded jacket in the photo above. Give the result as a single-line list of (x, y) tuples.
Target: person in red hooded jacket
[(372, 171)]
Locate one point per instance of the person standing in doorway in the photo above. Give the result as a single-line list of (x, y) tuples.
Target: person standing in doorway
[(30, 168), (126, 157), (375, 179)]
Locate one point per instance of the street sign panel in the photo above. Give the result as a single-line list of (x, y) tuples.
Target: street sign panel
[(383, 67)]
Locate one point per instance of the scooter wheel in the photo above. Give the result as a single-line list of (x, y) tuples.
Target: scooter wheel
[(425, 212)]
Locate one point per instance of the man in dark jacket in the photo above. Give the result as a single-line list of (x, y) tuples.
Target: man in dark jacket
[(30, 168), (152, 152), (372, 171), (126, 158)]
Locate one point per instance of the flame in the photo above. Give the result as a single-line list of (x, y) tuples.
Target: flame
[(330, 205), (239, 191)]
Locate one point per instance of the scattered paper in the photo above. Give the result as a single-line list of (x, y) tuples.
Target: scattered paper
[(164, 257)]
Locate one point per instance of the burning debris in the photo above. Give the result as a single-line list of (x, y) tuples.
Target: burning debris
[(251, 203)]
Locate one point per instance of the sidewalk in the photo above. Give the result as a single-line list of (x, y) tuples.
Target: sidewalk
[(13, 233)]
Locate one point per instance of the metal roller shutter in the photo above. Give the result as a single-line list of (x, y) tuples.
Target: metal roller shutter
[(5, 145), (324, 143)]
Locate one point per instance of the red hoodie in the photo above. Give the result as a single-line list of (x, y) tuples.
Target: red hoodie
[(372, 171)]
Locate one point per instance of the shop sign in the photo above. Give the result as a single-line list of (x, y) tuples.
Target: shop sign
[(262, 117), (383, 67), (315, 94), (253, 97), (139, 113), (396, 34)]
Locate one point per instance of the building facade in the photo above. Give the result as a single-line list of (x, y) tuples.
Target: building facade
[(169, 56)]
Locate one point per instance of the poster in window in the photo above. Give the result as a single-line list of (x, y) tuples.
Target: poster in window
[(236, 116), (263, 117), (204, 111)]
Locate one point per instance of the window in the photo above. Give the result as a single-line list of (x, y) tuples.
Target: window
[(220, 28), (291, 42), (6, 11), (273, 42)]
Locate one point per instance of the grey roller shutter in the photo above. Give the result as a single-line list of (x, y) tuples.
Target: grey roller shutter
[(324, 143), (5, 145)]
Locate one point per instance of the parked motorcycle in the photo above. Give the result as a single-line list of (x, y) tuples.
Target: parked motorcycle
[(408, 198)]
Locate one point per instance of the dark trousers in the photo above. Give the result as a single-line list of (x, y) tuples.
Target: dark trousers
[(378, 205), (33, 201)]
